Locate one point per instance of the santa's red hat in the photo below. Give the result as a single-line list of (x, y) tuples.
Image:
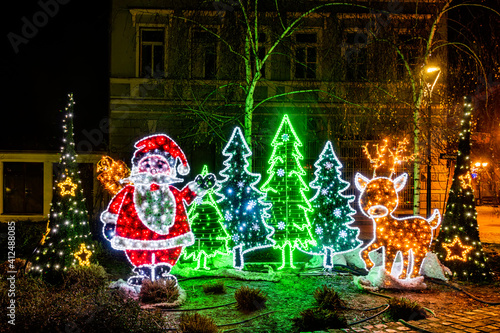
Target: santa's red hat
[(161, 144)]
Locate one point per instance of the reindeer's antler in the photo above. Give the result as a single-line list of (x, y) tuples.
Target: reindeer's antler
[(383, 154), (398, 156), (379, 160)]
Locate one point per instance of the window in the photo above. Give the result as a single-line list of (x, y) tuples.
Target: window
[(23, 188), (355, 57), (409, 47), (203, 55), (306, 55), (152, 52)]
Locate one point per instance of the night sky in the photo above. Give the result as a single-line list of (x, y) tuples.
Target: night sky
[(69, 53)]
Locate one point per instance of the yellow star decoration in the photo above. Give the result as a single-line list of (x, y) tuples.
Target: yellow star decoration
[(67, 187), (456, 250), (465, 181), (83, 255)]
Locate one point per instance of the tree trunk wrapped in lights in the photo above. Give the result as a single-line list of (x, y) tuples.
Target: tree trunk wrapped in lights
[(458, 245)]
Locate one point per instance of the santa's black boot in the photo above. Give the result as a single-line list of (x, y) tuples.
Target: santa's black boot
[(162, 271), (143, 273)]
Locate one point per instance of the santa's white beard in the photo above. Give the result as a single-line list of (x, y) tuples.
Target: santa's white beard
[(156, 209), (146, 178)]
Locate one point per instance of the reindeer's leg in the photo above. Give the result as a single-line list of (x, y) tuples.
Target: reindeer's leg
[(390, 256), (405, 257), (418, 258), (365, 255)]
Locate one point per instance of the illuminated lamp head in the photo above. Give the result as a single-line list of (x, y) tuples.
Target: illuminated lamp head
[(379, 196), (158, 154)]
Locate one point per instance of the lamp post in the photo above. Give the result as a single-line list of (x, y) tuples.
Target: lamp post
[(480, 166), (429, 73)]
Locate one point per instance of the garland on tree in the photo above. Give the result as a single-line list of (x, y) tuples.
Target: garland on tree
[(241, 203), (68, 241), (458, 245), (286, 189), (332, 214)]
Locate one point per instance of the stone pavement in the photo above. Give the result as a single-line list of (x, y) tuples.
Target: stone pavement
[(486, 319)]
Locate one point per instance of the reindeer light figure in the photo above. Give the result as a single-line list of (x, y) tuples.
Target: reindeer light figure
[(412, 236)]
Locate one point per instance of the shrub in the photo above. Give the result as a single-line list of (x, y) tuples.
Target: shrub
[(328, 299), (250, 299), (44, 308), (406, 309), (215, 288), (20, 266), (317, 319), (86, 277), (159, 291), (197, 323)]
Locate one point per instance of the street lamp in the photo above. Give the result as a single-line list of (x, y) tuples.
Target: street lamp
[(480, 167), (430, 76)]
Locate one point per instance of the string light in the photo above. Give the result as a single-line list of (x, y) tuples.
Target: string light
[(458, 245), (111, 174), (241, 203), (287, 191), (83, 255), (207, 224), (67, 187), (409, 236), (68, 223), (147, 219), (456, 250)]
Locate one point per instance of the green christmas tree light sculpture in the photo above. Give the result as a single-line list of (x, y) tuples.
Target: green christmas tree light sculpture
[(332, 213), (207, 225), (241, 203), (458, 245), (69, 240), (287, 191)]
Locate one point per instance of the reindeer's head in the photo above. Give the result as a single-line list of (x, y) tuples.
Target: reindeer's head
[(379, 196)]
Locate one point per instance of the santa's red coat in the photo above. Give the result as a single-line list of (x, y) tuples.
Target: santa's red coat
[(142, 245)]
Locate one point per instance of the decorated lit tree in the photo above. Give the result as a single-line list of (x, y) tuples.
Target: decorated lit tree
[(207, 225), (332, 213), (458, 245), (286, 190), (68, 241), (241, 203)]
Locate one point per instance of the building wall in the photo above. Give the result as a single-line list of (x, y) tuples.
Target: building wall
[(48, 160), (142, 105)]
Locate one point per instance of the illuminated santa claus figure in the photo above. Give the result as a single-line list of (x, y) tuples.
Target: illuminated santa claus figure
[(147, 219)]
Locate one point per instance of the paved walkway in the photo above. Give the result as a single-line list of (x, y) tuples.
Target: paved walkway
[(486, 319)]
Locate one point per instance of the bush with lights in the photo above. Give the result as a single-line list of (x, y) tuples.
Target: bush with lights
[(332, 214), (458, 245), (241, 203), (287, 191), (68, 241)]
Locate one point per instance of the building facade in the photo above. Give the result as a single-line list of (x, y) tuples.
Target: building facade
[(351, 74)]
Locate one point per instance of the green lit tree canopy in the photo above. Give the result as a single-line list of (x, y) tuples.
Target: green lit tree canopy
[(332, 212), (206, 221), (287, 191), (241, 203)]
